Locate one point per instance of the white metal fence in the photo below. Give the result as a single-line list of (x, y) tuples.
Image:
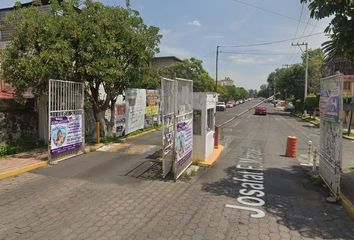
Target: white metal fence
[(168, 123), (331, 107), (177, 125), (66, 130)]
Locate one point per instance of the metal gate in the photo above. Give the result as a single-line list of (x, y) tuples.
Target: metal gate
[(331, 107), (66, 130), (177, 125), (168, 123), (183, 126)]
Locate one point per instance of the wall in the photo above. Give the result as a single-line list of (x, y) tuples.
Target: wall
[(14, 125)]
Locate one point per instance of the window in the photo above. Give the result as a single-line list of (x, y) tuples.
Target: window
[(197, 122), (210, 119), (346, 85)]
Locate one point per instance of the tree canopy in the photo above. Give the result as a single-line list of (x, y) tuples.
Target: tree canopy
[(290, 82), (104, 47), (191, 69), (228, 93), (341, 27)]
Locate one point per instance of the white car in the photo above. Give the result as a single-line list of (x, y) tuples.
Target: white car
[(220, 106)]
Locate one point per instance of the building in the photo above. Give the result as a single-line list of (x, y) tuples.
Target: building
[(226, 82), (161, 62)]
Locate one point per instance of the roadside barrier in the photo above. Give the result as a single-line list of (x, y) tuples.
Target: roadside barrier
[(291, 147)]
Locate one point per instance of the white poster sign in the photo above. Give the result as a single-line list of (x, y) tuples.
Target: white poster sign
[(135, 109)]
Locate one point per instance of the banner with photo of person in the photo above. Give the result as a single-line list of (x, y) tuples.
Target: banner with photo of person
[(66, 133)]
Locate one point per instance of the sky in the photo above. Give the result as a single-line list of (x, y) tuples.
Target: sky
[(194, 28)]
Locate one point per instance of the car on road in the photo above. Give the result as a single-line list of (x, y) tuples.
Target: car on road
[(220, 106), (260, 111), (289, 108), (230, 104)]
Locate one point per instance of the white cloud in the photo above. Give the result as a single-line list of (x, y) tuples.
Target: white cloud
[(195, 23)]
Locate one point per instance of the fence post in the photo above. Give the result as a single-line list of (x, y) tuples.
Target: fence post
[(314, 165), (309, 151), (216, 137)]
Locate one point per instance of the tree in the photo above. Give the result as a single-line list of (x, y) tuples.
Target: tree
[(104, 47), (341, 30), (191, 69), (263, 92), (228, 93), (311, 103), (315, 69)]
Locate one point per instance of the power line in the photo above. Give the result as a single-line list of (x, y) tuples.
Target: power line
[(266, 10), (269, 43), (253, 53), (297, 29)]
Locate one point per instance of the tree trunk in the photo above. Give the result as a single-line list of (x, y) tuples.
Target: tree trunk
[(99, 116), (110, 123)]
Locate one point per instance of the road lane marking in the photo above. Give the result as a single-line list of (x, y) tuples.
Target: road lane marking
[(252, 183)]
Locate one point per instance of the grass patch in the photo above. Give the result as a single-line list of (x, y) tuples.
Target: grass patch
[(106, 140), (21, 145), (345, 133)]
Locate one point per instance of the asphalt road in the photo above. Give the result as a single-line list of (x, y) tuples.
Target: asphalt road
[(252, 192)]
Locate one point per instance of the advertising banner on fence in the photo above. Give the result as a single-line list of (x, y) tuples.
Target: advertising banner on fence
[(120, 119), (66, 133), (329, 103), (184, 142), (152, 102), (135, 109)]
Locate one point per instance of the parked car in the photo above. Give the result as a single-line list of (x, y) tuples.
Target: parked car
[(289, 108), (220, 106), (260, 111), (231, 104)]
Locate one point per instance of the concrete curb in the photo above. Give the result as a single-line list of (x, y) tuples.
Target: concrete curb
[(139, 135), (347, 204), (349, 138), (18, 171), (213, 158)]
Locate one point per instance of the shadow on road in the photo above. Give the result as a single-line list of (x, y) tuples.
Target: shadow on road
[(294, 201)]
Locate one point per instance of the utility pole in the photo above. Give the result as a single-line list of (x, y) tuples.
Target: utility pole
[(274, 91), (216, 68), (307, 64)]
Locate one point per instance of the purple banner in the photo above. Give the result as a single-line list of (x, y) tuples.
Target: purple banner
[(66, 133), (184, 141)]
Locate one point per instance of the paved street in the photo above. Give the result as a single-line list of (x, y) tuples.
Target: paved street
[(253, 192)]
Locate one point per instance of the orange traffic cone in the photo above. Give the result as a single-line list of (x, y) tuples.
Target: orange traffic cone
[(291, 147)]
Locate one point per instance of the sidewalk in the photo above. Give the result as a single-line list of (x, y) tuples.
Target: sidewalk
[(347, 178), (22, 162)]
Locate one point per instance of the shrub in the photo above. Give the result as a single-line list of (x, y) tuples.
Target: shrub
[(299, 106), (311, 103)]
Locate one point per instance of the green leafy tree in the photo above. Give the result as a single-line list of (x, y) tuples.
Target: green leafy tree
[(107, 48), (311, 103), (191, 69), (263, 92), (315, 69), (341, 30)]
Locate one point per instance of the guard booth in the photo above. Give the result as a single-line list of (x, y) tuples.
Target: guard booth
[(204, 107)]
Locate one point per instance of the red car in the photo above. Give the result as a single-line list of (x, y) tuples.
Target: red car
[(260, 111)]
